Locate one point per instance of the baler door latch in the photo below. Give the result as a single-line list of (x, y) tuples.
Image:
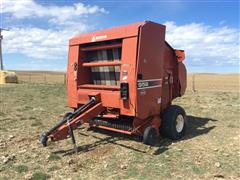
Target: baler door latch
[(75, 70)]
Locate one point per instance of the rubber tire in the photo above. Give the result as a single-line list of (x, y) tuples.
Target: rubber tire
[(150, 136), (168, 124), (43, 139)]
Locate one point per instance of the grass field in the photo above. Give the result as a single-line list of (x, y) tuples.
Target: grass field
[(210, 149)]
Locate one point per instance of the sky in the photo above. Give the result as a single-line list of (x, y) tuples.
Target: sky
[(39, 30)]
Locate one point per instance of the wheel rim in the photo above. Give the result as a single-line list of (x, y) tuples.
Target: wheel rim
[(179, 123)]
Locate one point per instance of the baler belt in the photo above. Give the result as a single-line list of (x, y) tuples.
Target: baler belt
[(105, 75)]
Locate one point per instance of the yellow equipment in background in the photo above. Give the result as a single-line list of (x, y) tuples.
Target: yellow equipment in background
[(8, 77), (5, 76)]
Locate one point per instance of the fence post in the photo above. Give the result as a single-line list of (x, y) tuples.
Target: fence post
[(193, 83), (29, 78), (64, 79), (45, 79)]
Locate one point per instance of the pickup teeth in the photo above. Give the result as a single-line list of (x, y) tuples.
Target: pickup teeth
[(107, 123)]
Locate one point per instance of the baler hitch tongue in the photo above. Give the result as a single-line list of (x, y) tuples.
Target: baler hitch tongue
[(67, 119)]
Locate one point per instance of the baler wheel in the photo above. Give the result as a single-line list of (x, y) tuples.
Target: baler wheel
[(150, 136), (173, 125), (43, 139)]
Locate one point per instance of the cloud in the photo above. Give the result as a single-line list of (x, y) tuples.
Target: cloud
[(205, 45), (56, 14), (39, 43), (46, 29)]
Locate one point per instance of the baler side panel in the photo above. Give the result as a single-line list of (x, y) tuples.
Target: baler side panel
[(170, 86), (182, 75), (150, 67), (73, 57), (128, 69)]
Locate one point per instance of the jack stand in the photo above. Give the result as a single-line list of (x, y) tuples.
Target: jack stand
[(64, 128), (72, 136)]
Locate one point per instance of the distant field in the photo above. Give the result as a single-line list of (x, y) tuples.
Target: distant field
[(216, 82), (43, 77), (206, 82), (210, 149)]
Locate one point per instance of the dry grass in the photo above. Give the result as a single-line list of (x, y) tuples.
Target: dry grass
[(214, 82), (210, 150)]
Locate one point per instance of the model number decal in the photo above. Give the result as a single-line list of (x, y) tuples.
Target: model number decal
[(143, 84), (150, 83)]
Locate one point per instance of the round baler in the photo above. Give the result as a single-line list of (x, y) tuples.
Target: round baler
[(124, 79)]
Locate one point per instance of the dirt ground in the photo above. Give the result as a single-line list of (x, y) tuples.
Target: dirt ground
[(210, 149)]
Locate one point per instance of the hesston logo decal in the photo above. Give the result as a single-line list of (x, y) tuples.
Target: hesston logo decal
[(150, 83), (96, 38)]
